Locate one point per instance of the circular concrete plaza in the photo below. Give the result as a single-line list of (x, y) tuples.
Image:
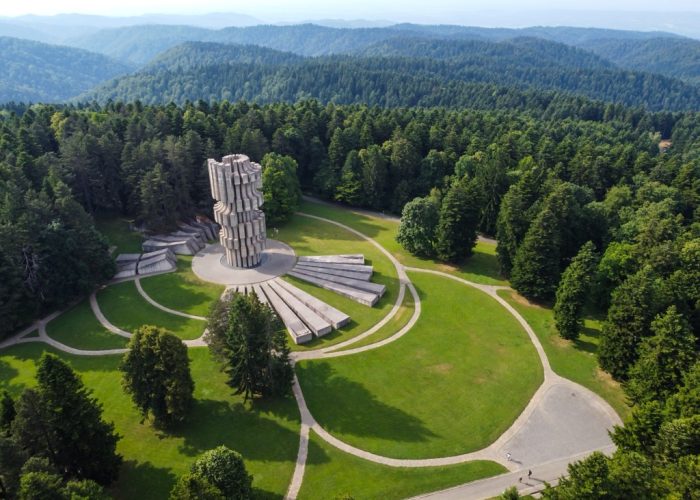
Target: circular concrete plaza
[(210, 265)]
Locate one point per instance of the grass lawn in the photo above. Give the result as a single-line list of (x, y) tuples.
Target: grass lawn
[(453, 384), (79, 328), (265, 434), (183, 290), (312, 237), (124, 307), (331, 473), (394, 325), (116, 230), (482, 267), (573, 360)]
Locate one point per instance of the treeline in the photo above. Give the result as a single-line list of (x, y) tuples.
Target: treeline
[(58, 164), (402, 72)]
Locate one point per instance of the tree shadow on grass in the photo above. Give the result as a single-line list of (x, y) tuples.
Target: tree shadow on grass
[(244, 428), (586, 345), (345, 406), (142, 480), (7, 373)]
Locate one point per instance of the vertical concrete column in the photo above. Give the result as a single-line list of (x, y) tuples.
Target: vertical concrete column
[(236, 183)]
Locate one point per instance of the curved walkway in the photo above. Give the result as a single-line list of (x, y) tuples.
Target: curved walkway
[(560, 416)]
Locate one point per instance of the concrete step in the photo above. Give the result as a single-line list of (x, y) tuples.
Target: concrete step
[(335, 317), (361, 296), (363, 276), (316, 323), (367, 286), (297, 329), (337, 259), (358, 268)]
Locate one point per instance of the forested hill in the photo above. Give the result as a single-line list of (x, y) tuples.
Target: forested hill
[(197, 54), (139, 44), (466, 73), (676, 57), (34, 71)]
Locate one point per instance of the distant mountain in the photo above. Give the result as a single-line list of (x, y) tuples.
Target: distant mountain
[(34, 71), (138, 44), (406, 72), (676, 57), (192, 55)]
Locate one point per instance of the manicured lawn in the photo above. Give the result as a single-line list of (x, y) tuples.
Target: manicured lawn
[(394, 325), (452, 385), (573, 360), (124, 307), (79, 328), (331, 473), (482, 267), (265, 434), (312, 237), (116, 230), (183, 290)]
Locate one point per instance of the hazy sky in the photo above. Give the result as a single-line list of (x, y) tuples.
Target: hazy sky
[(274, 10)]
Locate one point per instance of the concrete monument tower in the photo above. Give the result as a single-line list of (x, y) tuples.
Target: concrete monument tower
[(236, 183)]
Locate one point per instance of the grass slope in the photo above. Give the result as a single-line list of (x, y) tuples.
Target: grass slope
[(395, 324), (452, 385), (265, 434), (183, 290), (124, 307), (481, 267), (118, 234), (78, 327), (331, 473), (573, 360), (312, 237)]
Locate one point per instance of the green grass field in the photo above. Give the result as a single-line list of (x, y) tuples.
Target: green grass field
[(573, 360), (452, 385), (312, 237), (125, 308), (331, 473), (116, 230), (482, 267), (182, 290), (79, 328), (265, 434)]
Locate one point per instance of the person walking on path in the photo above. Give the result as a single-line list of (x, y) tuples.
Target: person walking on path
[(529, 473), (508, 456)]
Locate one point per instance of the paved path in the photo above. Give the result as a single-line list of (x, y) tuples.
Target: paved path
[(491, 487)]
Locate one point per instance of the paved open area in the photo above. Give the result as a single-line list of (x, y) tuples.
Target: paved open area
[(210, 265)]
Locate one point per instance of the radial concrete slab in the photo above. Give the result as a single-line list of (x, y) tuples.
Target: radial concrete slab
[(210, 265)]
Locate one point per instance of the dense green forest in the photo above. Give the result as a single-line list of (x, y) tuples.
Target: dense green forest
[(33, 71), (406, 72)]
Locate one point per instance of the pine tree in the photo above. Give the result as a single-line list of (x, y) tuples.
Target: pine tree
[(459, 220), (65, 424), (663, 358), (156, 373), (633, 306), (248, 338), (536, 268), (573, 290)]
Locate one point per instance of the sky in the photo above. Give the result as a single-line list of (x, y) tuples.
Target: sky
[(276, 10)]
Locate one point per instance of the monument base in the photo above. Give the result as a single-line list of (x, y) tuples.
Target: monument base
[(210, 265)]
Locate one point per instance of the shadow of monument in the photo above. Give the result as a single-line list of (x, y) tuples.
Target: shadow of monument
[(343, 405)]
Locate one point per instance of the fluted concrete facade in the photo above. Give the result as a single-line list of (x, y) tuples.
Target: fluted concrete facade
[(236, 183)]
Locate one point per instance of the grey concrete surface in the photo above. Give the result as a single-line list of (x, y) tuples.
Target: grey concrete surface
[(365, 298), (277, 259), (335, 317)]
